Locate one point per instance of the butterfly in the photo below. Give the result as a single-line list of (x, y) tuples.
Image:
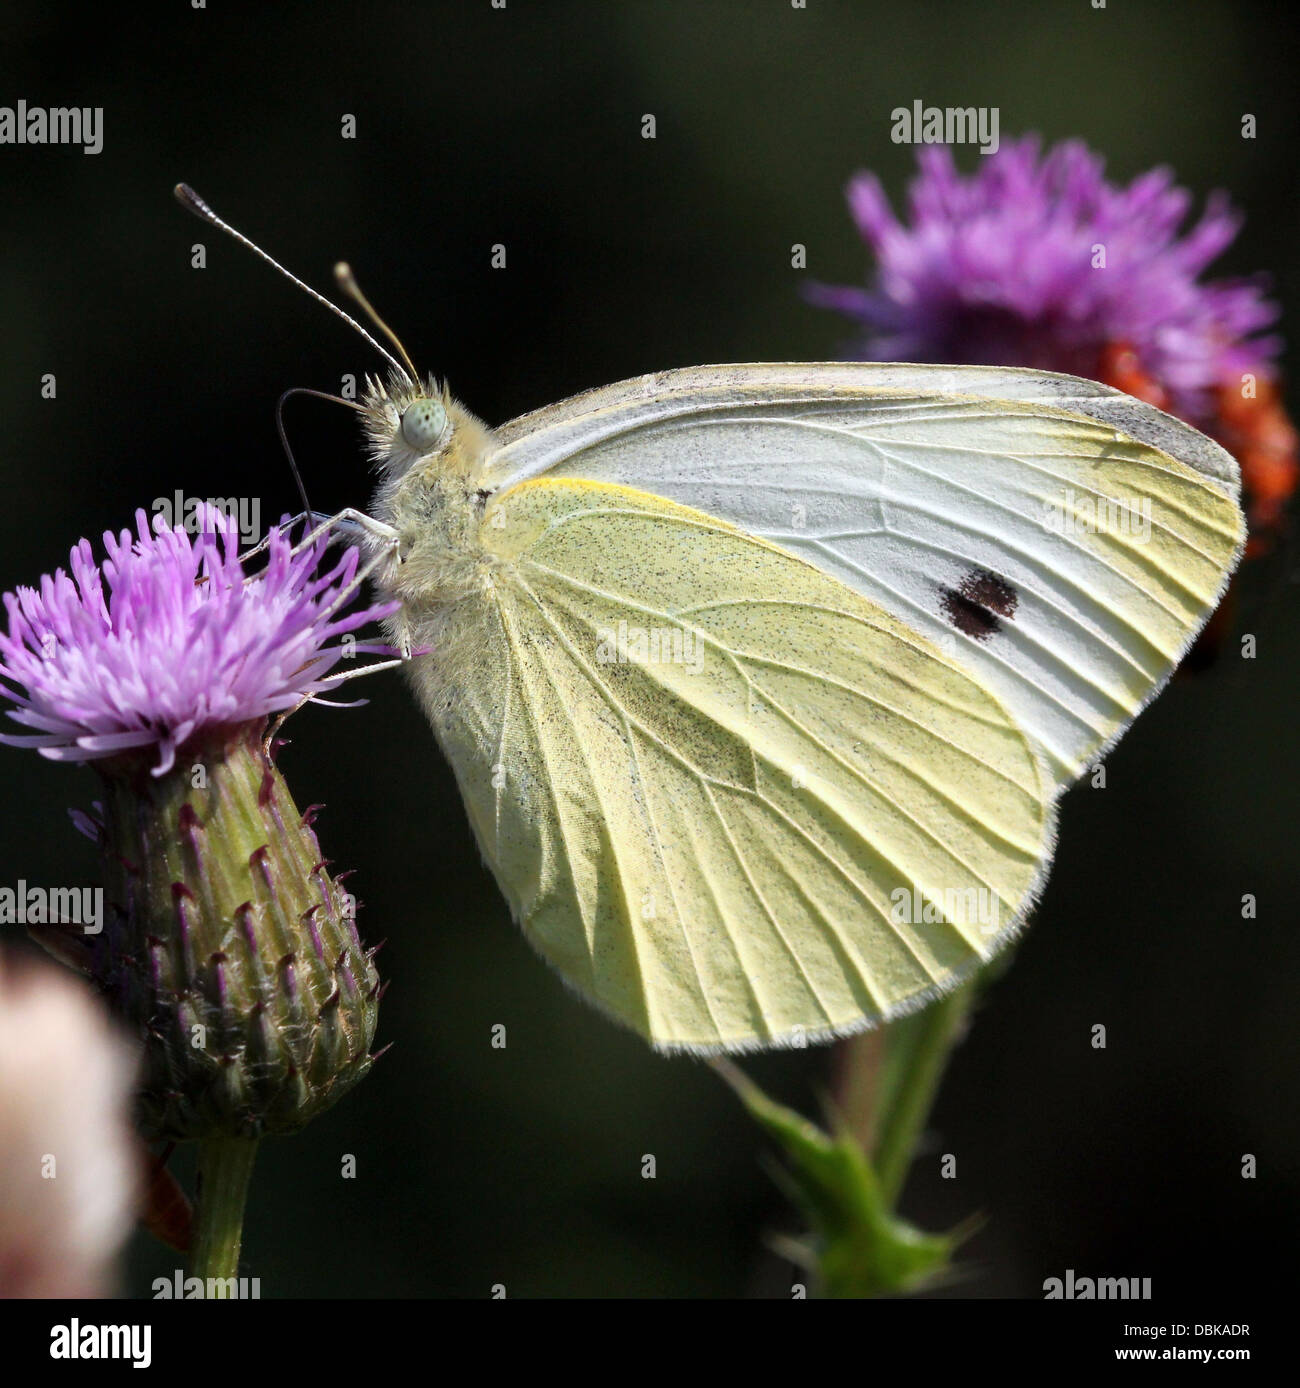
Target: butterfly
[(761, 682)]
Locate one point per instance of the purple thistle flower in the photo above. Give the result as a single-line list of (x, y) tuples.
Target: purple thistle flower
[(170, 639), (999, 268)]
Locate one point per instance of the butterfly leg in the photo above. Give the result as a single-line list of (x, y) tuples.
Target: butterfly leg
[(389, 555), (356, 521), (275, 530), (348, 519), (363, 526), (268, 742)]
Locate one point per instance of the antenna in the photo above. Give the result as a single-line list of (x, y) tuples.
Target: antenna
[(191, 201), (347, 282)]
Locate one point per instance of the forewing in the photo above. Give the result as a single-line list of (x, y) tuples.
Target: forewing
[(1062, 540)]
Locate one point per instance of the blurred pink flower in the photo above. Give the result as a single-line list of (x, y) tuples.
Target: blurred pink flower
[(1037, 259), (69, 1157), (1001, 267)]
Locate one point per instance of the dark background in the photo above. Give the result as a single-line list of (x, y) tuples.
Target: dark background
[(522, 126)]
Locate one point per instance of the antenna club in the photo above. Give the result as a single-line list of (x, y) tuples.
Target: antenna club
[(347, 282), (190, 200)]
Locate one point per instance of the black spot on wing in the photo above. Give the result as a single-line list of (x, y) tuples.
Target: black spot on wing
[(979, 603)]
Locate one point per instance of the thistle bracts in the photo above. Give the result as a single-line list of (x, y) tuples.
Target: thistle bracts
[(229, 948)]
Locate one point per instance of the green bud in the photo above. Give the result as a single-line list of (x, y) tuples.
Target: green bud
[(228, 947)]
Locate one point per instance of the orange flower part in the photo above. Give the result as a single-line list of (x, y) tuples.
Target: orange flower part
[(1119, 367), (1254, 428), (1257, 431)]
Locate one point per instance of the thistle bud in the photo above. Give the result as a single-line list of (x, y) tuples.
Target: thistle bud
[(227, 946), (230, 948)]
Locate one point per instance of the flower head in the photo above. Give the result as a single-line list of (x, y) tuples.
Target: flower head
[(1037, 260), (170, 639)]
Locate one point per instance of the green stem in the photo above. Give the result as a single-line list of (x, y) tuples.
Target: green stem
[(225, 1167), (916, 1052)]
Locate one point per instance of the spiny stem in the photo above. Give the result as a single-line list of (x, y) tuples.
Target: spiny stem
[(225, 1168)]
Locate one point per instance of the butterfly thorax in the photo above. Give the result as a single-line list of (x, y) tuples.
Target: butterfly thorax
[(438, 521)]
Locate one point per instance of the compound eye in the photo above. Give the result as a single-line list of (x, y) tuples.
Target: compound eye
[(424, 423)]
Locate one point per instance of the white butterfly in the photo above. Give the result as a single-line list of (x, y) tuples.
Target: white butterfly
[(761, 682)]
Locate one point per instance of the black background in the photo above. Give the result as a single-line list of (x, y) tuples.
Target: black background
[(523, 126)]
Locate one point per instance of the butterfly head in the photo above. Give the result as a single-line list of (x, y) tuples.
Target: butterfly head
[(406, 422), (414, 425)]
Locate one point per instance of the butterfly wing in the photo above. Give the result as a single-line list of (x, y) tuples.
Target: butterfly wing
[(733, 801), (1064, 541)]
